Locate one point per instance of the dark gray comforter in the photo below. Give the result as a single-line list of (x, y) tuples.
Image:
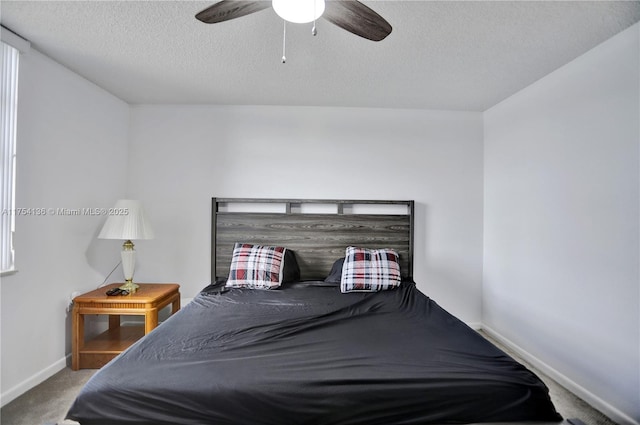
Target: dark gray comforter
[(308, 354)]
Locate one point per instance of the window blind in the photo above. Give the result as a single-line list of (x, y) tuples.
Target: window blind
[(8, 119)]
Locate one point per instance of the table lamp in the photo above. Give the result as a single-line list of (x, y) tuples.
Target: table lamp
[(127, 221)]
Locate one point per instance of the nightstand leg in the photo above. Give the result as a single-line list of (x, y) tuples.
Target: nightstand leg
[(150, 320), (78, 339), (175, 305), (114, 321)]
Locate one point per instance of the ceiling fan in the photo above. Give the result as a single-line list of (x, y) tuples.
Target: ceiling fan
[(350, 15)]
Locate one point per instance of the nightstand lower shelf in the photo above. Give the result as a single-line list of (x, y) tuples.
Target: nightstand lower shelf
[(104, 347)]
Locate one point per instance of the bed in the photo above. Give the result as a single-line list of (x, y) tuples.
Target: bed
[(312, 349)]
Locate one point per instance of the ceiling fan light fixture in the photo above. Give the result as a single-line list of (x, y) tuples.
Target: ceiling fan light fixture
[(299, 11)]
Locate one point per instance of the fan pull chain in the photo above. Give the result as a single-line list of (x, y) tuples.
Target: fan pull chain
[(284, 41), (314, 31)]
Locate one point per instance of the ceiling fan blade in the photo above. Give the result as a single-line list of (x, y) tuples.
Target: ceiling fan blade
[(357, 18), (230, 9)]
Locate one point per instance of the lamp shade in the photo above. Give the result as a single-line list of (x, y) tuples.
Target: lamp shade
[(298, 11), (126, 222)]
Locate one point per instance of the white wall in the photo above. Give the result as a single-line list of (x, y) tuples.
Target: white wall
[(181, 156), (561, 223), (71, 153)]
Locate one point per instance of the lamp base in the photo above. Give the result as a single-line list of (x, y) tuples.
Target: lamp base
[(130, 286)]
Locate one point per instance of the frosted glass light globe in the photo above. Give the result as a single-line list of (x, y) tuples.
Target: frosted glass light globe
[(299, 11)]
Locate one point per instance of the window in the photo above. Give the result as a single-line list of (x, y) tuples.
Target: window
[(11, 46), (8, 106)]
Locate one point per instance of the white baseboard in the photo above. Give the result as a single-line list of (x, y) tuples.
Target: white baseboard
[(475, 325), (34, 380), (598, 403)]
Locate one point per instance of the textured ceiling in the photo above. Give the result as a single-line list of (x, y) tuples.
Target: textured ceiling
[(441, 54)]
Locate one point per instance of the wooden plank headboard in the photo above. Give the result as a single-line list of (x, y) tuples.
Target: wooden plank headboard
[(317, 230)]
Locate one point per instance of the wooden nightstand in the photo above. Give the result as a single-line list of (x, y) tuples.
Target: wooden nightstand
[(147, 301)]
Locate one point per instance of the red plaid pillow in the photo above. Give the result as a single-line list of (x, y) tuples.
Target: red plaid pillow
[(256, 267), (370, 270)]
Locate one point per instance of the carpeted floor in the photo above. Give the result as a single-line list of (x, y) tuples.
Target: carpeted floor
[(566, 403), (48, 403)]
